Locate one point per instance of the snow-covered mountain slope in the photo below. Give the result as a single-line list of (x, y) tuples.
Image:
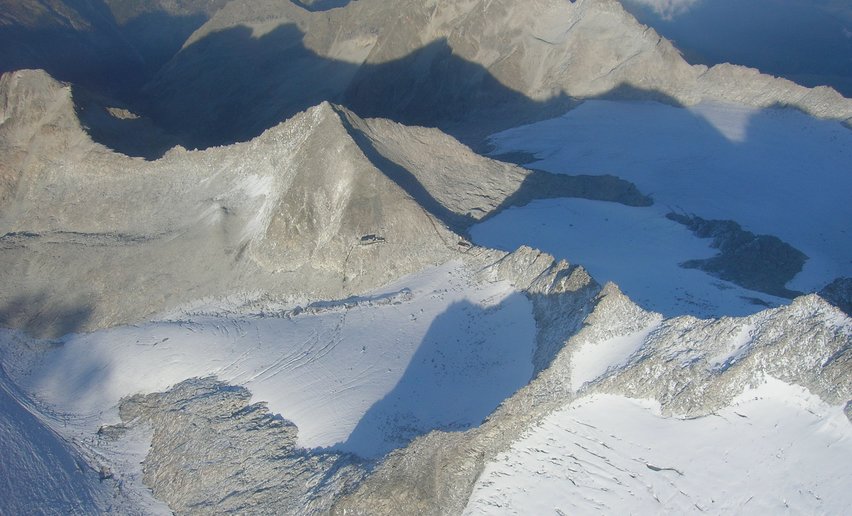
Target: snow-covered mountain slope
[(775, 172), (691, 367), (298, 323), (609, 454), (43, 474), (440, 349), (496, 342), (730, 427), (363, 375), (385, 348)]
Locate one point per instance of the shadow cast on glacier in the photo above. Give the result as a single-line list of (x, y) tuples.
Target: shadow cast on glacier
[(460, 373)]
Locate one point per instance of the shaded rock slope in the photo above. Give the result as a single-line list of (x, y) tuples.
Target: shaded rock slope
[(212, 73), (448, 64)]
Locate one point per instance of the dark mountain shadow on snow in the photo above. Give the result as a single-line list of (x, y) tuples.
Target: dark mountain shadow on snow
[(454, 381)]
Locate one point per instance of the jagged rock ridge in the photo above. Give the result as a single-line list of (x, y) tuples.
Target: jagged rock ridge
[(445, 64)]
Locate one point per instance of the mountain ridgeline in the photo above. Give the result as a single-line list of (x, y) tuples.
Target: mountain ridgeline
[(247, 65)]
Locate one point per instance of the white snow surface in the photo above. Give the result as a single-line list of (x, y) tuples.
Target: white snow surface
[(435, 350), (776, 449), (774, 171), (637, 248), (590, 360)]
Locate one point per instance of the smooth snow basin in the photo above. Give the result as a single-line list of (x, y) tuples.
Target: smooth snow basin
[(434, 351), (776, 449), (774, 171), (637, 248)]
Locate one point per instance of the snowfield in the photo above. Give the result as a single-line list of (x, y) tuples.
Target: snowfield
[(637, 248), (365, 376), (776, 449), (774, 171)]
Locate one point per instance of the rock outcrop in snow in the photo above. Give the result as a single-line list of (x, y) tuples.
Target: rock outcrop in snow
[(697, 367), (213, 451)]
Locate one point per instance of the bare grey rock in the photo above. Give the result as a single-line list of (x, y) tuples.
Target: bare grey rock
[(329, 204), (213, 451), (286, 214), (696, 367), (283, 214)]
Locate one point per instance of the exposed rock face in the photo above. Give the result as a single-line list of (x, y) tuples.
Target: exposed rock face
[(808, 343), (287, 213), (328, 204), (213, 451)]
